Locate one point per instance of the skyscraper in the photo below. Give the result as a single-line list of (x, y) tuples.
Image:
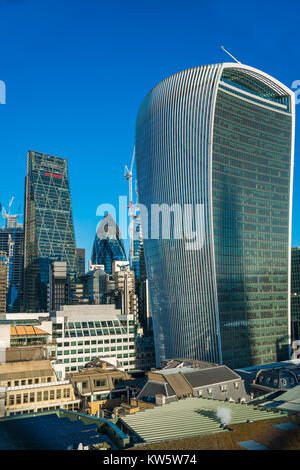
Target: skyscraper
[(218, 139), (3, 280), (12, 243), (80, 254), (48, 225), (108, 245), (295, 294)]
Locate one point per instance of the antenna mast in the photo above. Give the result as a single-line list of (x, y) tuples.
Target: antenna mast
[(223, 48)]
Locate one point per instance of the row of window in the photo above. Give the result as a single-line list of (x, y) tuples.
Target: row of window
[(38, 380), (32, 397)]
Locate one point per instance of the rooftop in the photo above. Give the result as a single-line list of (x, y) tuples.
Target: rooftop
[(27, 331), (48, 432), (190, 417)]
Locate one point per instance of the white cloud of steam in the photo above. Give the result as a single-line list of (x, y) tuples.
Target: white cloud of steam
[(224, 415)]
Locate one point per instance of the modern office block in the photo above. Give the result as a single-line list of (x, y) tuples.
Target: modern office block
[(108, 245), (218, 142), (295, 294), (48, 225), (58, 288), (3, 280), (80, 254), (12, 243), (85, 332)]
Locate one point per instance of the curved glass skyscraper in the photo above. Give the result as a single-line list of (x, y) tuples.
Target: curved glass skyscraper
[(108, 245), (219, 138)]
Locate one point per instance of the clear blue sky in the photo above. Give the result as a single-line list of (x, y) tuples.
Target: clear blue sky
[(76, 72)]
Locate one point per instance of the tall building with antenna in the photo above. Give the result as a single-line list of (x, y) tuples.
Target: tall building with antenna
[(219, 138), (12, 244), (48, 225)]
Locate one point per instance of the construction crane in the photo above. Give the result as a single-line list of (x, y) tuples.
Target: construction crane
[(128, 177), (11, 220)]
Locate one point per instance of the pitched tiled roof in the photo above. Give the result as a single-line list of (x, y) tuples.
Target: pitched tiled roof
[(152, 388), (214, 375)]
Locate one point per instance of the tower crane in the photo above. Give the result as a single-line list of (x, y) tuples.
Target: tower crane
[(128, 177)]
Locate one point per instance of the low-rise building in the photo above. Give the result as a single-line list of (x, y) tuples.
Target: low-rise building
[(205, 380), (100, 383), (33, 386)]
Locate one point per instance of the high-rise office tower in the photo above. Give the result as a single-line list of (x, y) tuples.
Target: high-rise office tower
[(58, 287), (80, 254), (295, 294), (3, 280), (12, 243), (215, 145), (108, 245), (48, 225)]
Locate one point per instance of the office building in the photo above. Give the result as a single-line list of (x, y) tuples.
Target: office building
[(295, 294), (48, 225), (58, 287), (215, 146), (95, 285), (85, 332), (108, 245), (32, 386), (12, 243), (3, 280), (99, 383), (80, 255)]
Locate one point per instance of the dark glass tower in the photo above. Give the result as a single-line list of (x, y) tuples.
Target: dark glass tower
[(295, 294), (80, 253), (108, 245), (12, 243), (220, 138), (48, 225)]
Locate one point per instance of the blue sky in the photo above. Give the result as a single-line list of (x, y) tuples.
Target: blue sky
[(76, 72)]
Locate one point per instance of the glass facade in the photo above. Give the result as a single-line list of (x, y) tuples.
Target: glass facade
[(14, 237), (49, 230), (295, 294), (218, 137), (108, 245), (250, 191)]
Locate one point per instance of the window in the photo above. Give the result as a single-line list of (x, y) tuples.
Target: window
[(18, 400), (31, 398), (223, 388), (16, 383), (25, 398), (84, 384), (11, 400), (100, 383), (58, 393), (46, 395), (23, 382)]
